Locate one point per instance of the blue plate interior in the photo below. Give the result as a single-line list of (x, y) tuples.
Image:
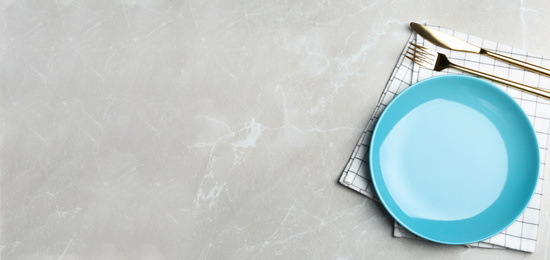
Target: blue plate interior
[(454, 159)]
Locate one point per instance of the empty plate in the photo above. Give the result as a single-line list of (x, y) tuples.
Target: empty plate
[(454, 159)]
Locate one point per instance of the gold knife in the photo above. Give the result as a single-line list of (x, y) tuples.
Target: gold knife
[(444, 40)]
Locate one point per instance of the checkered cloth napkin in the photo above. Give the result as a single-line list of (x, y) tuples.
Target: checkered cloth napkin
[(522, 234)]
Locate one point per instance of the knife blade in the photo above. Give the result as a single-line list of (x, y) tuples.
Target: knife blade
[(447, 41)]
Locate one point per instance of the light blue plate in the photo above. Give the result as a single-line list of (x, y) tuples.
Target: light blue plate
[(454, 159)]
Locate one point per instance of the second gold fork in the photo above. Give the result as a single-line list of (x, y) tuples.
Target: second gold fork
[(438, 62)]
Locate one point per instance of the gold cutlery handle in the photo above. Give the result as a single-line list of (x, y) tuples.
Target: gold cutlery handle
[(519, 63), (533, 90)]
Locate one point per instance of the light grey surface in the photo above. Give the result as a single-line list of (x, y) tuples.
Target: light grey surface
[(210, 130)]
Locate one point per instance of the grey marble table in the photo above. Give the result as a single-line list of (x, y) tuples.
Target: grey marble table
[(140, 129)]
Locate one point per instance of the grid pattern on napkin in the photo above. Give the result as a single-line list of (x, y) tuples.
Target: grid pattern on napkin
[(356, 174), (521, 235)]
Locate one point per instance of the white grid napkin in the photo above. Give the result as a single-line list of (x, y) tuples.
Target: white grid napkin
[(522, 234)]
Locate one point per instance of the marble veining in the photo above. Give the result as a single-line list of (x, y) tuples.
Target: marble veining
[(140, 129)]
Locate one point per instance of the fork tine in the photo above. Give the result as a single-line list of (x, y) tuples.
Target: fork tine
[(411, 58), (420, 62), (420, 55), (420, 47), (423, 51), (414, 58)]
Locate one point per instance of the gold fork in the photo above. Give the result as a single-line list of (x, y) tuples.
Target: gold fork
[(438, 62)]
